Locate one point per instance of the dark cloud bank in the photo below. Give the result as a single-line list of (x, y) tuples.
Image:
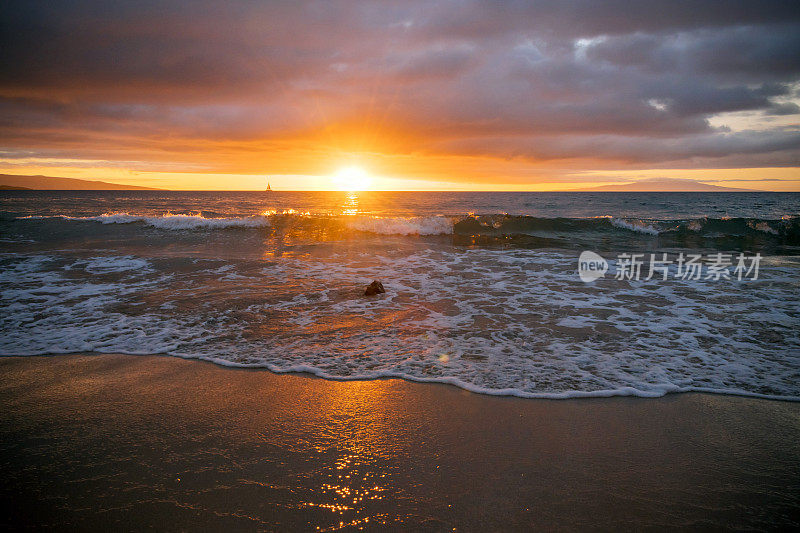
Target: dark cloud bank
[(627, 83)]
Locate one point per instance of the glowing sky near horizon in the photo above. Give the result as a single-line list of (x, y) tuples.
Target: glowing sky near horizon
[(540, 95)]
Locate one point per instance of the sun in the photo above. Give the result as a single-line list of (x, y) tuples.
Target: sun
[(352, 178)]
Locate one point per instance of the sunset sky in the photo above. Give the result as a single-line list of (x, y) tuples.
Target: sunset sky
[(419, 95)]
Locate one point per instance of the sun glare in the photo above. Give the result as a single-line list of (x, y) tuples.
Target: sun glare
[(351, 179)]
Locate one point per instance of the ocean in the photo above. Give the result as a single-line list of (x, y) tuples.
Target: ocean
[(483, 290)]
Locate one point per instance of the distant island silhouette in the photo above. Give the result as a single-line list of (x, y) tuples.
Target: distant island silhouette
[(50, 183), (664, 185)]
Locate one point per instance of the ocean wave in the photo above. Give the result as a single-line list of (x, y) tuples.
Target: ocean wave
[(436, 225), (111, 264), (447, 317), (786, 229), (431, 225), (657, 390), (634, 225), (765, 227), (511, 224), (171, 221), (521, 229)]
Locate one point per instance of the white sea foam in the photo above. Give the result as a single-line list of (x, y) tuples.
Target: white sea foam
[(636, 225), (695, 225), (431, 225), (436, 225), (506, 322), (171, 221), (764, 227), (109, 264)]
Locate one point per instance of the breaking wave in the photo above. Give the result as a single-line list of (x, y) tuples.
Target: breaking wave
[(489, 301), (637, 226), (171, 221), (486, 229), (448, 316), (436, 225)]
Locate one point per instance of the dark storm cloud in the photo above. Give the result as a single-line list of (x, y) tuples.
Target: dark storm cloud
[(633, 149), (622, 81), (737, 53)]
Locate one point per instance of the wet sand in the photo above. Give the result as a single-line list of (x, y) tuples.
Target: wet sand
[(113, 442)]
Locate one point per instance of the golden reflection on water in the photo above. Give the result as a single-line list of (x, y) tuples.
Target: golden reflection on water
[(285, 212), (350, 206), (357, 480), (289, 227), (353, 486)]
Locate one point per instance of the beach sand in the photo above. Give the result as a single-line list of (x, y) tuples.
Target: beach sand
[(115, 442)]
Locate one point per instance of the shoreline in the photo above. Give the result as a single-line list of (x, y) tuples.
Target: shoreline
[(98, 442), (304, 370)]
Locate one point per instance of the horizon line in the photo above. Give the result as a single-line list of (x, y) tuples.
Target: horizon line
[(154, 189)]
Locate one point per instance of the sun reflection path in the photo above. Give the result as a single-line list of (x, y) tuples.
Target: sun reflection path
[(356, 485), (350, 206), (354, 495)]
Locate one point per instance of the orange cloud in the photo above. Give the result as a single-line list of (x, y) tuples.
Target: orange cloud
[(519, 96)]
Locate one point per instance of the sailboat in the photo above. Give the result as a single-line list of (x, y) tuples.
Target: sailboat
[(269, 189)]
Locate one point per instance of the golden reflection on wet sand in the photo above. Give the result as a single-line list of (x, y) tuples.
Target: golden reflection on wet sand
[(357, 478), (159, 442)]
